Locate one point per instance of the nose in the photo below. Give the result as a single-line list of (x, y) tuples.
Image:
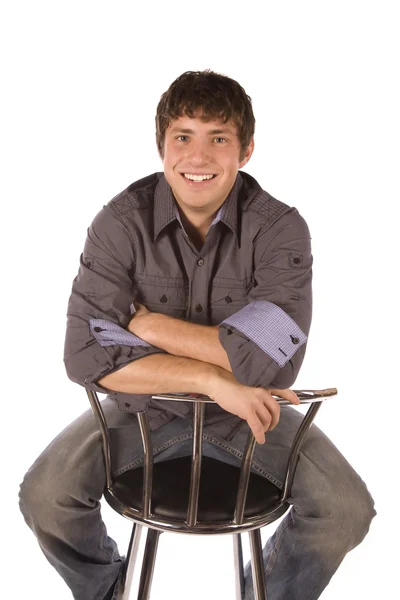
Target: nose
[(199, 153)]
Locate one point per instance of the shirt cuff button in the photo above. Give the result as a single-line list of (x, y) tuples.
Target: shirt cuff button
[(295, 340)]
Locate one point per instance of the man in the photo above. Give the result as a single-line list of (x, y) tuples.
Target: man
[(197, 280)]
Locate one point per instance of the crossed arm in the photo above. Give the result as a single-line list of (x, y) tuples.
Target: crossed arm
[(180, 338), (196, 361)]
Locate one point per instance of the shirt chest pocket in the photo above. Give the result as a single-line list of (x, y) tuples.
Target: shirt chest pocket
[(228, 296), (166, 295)]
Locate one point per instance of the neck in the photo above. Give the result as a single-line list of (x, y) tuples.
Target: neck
[(196, 226)]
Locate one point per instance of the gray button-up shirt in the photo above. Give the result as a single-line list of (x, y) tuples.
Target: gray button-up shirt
[(252, 277)]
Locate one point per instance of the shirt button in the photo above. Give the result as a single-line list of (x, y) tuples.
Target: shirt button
[(228, 299), (199, 308), (164, 299), (295, 340), (200, 262), (98, 329)]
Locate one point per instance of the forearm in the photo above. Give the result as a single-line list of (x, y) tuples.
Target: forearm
[(161, 373), (182, 338)]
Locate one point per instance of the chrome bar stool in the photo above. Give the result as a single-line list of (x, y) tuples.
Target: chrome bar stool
[(210, 496)]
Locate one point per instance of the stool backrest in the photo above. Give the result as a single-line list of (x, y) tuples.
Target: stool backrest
[(312, 397)]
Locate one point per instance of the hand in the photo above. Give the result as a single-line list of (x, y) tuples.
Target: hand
[(139, 321), (140, 309), (254, 405)]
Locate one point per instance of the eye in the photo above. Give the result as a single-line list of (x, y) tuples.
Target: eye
[(179, 138), (221, 139)]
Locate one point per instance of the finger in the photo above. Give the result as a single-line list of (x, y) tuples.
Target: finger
[(274, 410), (257, 428), (264, 416), (287, 394)]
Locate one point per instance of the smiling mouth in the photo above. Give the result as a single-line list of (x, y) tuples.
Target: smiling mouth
[(198, 178)]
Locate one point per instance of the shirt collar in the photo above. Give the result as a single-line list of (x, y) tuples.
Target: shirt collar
[(165, 210), (164, 206)]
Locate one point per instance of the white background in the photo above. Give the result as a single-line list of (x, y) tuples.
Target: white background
[(80, 85)]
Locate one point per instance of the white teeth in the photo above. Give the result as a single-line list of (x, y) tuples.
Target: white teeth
[(198, 177)]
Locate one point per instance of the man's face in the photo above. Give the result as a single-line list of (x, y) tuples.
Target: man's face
[(194, 148)]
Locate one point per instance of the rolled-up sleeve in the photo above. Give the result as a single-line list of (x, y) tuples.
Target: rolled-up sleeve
[(103, 290), (266, 340)]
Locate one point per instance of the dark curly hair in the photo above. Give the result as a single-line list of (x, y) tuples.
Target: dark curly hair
[(212, 97)]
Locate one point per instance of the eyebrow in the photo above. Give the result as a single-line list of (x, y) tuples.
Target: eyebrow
[(212, 132)]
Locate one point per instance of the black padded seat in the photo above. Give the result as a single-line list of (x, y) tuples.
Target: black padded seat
[(218, 490)]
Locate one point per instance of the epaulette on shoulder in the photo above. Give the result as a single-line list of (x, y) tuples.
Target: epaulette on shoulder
[(268, 206), (258, 200), (138, 195)]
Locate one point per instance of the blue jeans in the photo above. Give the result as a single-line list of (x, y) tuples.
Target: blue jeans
[(60, 498)]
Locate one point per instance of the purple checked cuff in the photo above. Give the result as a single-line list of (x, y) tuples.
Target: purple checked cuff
[(268, 326), (108, 333)]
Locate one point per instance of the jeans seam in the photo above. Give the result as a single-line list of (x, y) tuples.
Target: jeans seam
[(157, 450), (212, 440), (239, 454)]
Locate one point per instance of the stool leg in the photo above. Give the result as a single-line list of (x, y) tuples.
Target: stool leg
[(239, 569), (257, 566), (127, 574), (149, 559)]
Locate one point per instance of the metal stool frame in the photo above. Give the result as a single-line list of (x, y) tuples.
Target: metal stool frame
[(157, 525)]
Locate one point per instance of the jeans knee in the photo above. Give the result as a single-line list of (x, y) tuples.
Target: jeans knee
[(353, 511), (34, 496), (361, 511), (339, 505), (44, 490), (338, 496)]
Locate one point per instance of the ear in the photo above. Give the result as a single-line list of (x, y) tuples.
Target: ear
[(248, 153)]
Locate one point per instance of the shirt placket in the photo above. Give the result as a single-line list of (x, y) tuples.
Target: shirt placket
[(201, 266)]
